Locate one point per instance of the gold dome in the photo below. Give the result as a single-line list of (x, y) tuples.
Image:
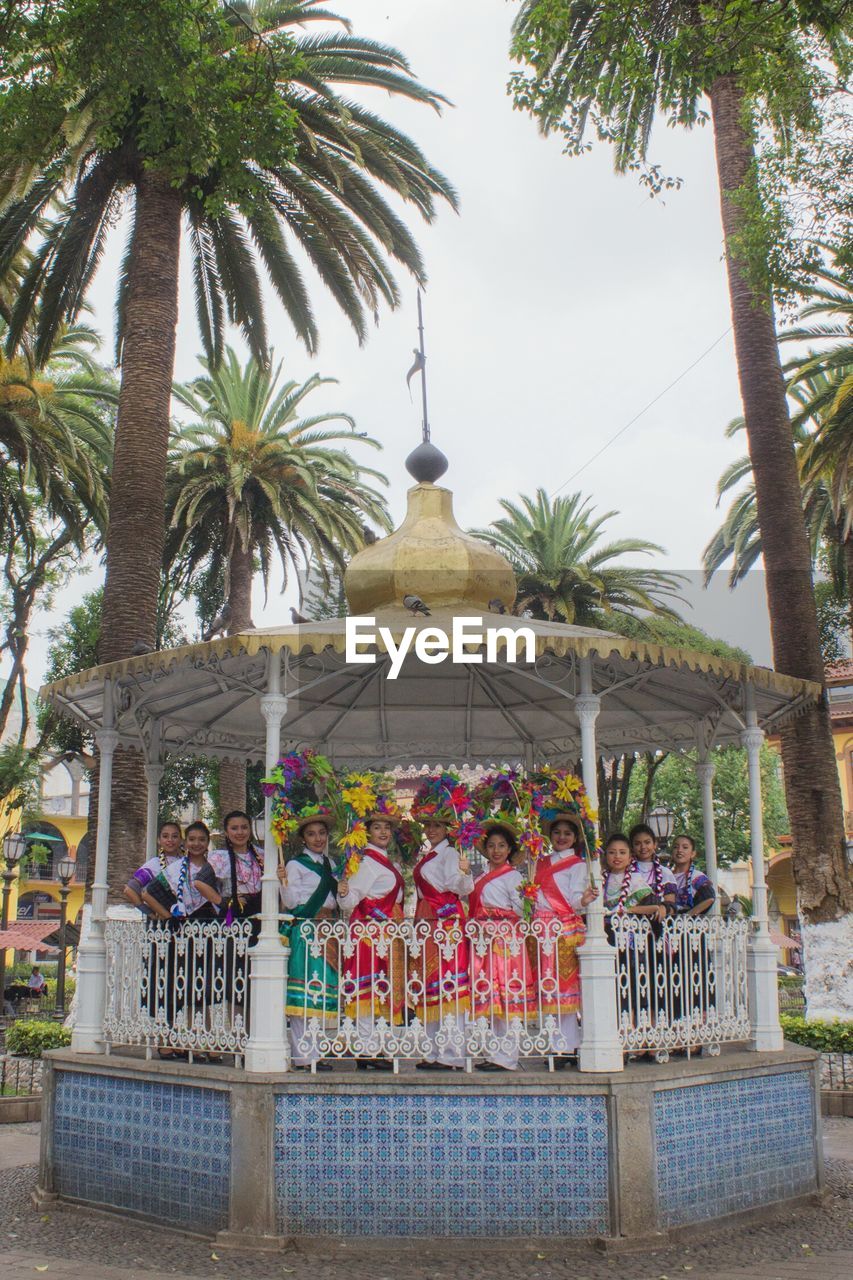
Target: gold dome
[(431, 557)]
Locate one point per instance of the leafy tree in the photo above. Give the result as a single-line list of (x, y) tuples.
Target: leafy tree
[(231, 121), (674, 785), (20, 771), (611, 68), (564, 573)]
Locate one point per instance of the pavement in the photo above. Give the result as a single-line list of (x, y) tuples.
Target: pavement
[(811, 1243)]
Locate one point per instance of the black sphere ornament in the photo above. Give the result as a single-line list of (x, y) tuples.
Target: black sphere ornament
[(426, 464)]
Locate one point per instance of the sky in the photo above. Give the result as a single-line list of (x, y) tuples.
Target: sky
[(563, 304)]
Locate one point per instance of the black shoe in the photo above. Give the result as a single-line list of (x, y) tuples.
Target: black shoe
[(364, 1064), (492, 1066), (383, 1064), (434, 1066), (323, 1065), (564, 1061)]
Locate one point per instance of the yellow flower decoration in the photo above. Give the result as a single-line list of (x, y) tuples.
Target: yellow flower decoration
[(361, 798)]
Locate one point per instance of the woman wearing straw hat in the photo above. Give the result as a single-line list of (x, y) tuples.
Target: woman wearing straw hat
[(563, 894), (374, 976), (442, 879), (308, 891)]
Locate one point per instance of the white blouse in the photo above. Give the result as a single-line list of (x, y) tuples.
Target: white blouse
[(302, 883), (572, 882), (189, 898), (370, 881), (443, 873), (249, 872), (647, 871), (503, 891)]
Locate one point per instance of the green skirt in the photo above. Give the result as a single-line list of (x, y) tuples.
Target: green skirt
[(312, 981)]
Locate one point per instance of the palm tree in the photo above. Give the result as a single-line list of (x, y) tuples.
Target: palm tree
[(250, 478), (236, 126), (55, 453), (613, 67), (562, 571)]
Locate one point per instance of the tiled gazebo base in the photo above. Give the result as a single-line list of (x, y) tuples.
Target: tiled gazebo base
[(260, 1160)]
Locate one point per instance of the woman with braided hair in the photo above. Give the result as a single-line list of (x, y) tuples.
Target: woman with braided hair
[(659, 878), (626, 891), (168, 849), (695, 992)]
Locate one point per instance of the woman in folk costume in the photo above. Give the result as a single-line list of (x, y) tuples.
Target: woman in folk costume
[(502, 980), (168, 850), (308, 891), (563, 894), (374, 976), (626, 891), (694, 975), (442, 879)]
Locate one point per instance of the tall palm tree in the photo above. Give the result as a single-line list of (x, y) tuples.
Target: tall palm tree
[(273, 155), (613, 67), (251, 478), (562, 571), (55, 453)]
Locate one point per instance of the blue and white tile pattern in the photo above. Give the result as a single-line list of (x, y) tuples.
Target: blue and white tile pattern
[(443, 1165), (159, 1149), (722, 1148)]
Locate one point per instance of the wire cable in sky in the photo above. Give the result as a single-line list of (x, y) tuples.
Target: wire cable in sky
[(644, 409)]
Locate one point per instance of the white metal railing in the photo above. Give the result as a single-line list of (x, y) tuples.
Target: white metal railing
[(181, 986), (681, 984), (498, 989)]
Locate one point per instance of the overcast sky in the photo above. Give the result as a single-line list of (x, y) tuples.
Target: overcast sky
[(561, 302)]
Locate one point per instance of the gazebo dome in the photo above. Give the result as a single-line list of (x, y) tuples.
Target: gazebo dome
[(429, 556)]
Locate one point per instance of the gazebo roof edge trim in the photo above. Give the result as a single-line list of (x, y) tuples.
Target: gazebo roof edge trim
[(298, 641)]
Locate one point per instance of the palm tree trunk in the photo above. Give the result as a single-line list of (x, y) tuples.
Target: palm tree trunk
[(137, 498), (824, 888), (232, 773)]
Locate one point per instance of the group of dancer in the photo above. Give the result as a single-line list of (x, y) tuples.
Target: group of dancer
[(462, 978)]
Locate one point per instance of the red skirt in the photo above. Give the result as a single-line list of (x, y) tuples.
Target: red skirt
[(502, 978)]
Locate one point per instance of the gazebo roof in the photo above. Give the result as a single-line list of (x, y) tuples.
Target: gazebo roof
[(204, 699)]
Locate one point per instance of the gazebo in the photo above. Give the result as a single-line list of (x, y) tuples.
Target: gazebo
[(519, 692)]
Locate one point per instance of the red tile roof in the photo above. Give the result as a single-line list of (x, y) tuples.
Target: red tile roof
[(840, 670), (28, 935)]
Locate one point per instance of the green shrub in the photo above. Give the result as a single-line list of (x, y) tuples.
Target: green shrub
[(31, 1037), (70, 988), (788, 982), (826, 1037)]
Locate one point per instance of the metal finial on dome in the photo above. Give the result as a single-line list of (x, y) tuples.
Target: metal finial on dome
[(426, 463)]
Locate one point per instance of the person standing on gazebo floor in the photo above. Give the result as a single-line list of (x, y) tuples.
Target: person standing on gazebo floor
[(374, 975), (695, 896), (239, 868), (502, 980), (442, 879), (309, 892), (564, 892), (655, 998), (168, 850), (184, 892)]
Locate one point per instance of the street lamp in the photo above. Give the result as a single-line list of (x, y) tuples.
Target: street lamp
[(662, 822), (65, 871), (14, 848)]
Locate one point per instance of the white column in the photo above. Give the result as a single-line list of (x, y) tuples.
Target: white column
[(153, 774), (154, 771), (761, 958), (600, 1048), (88, 1033), (267, 1048), (705, 770)]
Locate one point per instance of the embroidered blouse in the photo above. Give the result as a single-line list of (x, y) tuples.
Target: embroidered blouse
[(692, 888), (639, 890), (503, 891), (571, 883), (249, 871)]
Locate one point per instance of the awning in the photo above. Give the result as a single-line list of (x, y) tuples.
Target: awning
[(36, 935)]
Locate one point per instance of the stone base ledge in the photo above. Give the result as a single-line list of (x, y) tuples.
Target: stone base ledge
[(20, 1109)]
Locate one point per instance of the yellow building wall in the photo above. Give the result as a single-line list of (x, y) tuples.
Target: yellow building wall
[(72, 830)]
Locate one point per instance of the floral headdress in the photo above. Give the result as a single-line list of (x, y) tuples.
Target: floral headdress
[(564, 795), (362, 798), (445, 799), (293, 785)]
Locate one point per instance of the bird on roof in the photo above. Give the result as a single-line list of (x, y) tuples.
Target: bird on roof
[(298, 618), (219, 623), (415, 605), (140, 649)]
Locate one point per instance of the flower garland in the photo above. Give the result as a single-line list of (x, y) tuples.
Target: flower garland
[(447, 799), (362, 795), (292, 785)]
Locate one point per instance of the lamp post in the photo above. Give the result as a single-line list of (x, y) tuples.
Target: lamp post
[(14, 848), (65, 871), (662, 822)]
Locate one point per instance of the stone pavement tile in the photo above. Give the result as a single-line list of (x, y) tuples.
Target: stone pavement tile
[(19, 1144)]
